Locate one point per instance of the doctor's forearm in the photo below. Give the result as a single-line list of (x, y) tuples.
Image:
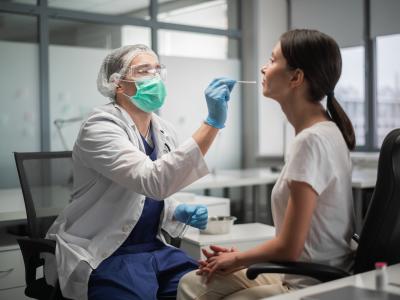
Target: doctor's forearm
[(204, 136)]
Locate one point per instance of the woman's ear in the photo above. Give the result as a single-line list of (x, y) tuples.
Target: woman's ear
[(297, 78)]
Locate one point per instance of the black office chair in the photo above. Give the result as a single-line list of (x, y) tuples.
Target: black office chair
[(380, 237), (46, 183)]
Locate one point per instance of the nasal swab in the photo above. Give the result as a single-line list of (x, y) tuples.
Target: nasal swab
[(185, 227), (244, 81), (183, 232)]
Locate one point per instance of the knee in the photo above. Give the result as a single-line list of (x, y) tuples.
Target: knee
[(188, 286)]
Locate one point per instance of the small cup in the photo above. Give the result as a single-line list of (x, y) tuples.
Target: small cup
[(219, 225)]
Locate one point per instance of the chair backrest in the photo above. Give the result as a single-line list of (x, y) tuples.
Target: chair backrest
[(380, 236), (46, 183)]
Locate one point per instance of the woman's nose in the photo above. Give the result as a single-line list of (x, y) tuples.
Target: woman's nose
[(263, 69)]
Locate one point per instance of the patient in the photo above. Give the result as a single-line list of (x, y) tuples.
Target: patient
[(312, 199)]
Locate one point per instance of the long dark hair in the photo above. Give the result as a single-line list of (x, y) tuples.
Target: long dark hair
[(318, 56)]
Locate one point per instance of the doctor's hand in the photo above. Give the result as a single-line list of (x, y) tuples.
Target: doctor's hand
[(217, 97), (193, 215)]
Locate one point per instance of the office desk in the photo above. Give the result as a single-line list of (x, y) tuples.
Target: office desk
[(226, 179), (363, 280), (234, 178), (361, 179), (12, 204), (242, 236), (12, 207), (256, 178)]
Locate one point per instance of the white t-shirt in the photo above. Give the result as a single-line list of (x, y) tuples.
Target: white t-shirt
[(319, 157)]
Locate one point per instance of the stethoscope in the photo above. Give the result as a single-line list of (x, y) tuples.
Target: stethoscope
[(166, 148)]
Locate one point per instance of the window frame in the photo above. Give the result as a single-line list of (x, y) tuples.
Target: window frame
[(375, 98), (370, 78), (44, 13)]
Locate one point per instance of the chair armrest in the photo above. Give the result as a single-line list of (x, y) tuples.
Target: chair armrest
[(31, 249), (37, 245), (356, 238), (321, 272)]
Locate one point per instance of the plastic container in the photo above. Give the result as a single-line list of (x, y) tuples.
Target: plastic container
[(219, 225), (381, 276)]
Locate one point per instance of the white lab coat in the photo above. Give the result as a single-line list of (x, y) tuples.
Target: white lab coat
[(112, 177)]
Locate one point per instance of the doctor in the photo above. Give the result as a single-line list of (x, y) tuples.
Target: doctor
[(127, 162)]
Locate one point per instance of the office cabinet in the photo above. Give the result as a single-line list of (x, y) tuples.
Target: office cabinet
[(12, 269), (14, 294)]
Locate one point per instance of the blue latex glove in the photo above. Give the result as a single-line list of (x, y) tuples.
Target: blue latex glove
[(217, 96), (193, 215)]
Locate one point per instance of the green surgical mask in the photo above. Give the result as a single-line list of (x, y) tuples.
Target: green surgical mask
[(150, 94)]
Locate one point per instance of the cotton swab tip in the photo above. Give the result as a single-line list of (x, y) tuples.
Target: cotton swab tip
[(245, 81)]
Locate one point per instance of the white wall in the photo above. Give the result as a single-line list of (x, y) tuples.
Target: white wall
[(186, 107)]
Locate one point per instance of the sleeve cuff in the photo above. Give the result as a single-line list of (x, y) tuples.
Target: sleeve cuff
[(171, 226), (314, 183), (197, 158)]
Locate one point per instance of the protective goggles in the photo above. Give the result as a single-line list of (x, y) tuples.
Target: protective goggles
[(147, 71)]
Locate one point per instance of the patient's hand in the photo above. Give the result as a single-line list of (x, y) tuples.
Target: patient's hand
[(221, 260), (216, 250)]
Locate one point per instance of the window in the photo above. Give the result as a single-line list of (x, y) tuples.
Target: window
[(19, 85), (350, 90), (220, 14), (24, 1), (344, 21), (189, 44), (79, 37), (96, 35), (388, 86), (73, 89), (385, 35), (18, 28), (137, 8), (348, 33)]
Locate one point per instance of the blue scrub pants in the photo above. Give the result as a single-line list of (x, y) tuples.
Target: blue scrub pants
[(145, 275)]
